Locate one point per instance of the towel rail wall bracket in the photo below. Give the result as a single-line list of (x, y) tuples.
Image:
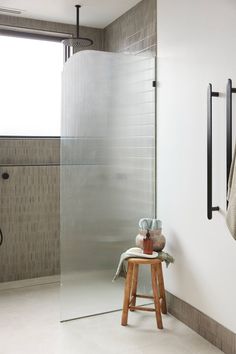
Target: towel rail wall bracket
[(210, 208)]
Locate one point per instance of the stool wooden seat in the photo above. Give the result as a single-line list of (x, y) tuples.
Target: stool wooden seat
[(130, 291)]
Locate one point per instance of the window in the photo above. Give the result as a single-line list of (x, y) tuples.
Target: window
[(30, 87)]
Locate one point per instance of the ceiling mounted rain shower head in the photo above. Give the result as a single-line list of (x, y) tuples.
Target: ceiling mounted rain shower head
[(78, 42)]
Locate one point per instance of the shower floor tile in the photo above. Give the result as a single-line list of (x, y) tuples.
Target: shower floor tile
[(29, 324)]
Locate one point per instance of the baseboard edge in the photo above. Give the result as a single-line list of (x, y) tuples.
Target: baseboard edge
[(29, 282), (212, 331)]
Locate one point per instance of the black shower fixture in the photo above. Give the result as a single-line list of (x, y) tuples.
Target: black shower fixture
[(77, 42)]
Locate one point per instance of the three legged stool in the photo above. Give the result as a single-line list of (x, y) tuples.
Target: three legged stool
[(130, 291)]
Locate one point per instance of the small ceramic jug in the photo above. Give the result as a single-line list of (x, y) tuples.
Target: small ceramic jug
[(156, 236), (147, 244)]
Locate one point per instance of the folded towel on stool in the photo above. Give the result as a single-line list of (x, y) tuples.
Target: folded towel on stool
[(136, 252)]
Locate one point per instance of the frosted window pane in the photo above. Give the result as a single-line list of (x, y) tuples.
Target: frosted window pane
[(30, 90)]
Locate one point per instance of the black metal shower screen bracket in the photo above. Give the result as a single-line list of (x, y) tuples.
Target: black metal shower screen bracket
[(154, 85), (210, 208), (229, 91)]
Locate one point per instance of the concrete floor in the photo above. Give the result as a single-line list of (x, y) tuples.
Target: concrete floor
[(29, 324)]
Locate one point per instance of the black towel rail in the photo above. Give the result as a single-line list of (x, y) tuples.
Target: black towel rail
[(210, 208)]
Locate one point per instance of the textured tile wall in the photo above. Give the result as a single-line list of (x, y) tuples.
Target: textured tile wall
[(29, 151), (29, 208), (134, 32), (208, 328)]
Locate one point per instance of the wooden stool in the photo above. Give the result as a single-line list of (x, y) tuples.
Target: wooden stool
[(130, 292)]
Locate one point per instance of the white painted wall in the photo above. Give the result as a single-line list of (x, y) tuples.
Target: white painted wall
[(196, 45)]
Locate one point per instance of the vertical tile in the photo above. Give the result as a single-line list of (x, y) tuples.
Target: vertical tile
[(227, 340), (208, 328)]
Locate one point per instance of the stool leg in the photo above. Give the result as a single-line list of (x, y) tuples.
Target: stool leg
[(161, 288), (134, 285), (128, 281), (156, 297)]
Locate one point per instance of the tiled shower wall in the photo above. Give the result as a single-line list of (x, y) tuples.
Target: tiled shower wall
[(29, 205), (29, 199), (134, 32)]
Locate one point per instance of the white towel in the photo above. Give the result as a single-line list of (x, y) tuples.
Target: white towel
[(136, 252), (231, 197)]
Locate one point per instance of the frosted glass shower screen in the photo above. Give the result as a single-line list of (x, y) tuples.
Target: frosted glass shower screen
[(107, 173)]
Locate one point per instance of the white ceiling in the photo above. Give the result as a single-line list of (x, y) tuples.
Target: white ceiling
[(94, 13)]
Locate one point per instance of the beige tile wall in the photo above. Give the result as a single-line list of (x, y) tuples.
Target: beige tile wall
[(135, 31), (30, 151), (29, 208)]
